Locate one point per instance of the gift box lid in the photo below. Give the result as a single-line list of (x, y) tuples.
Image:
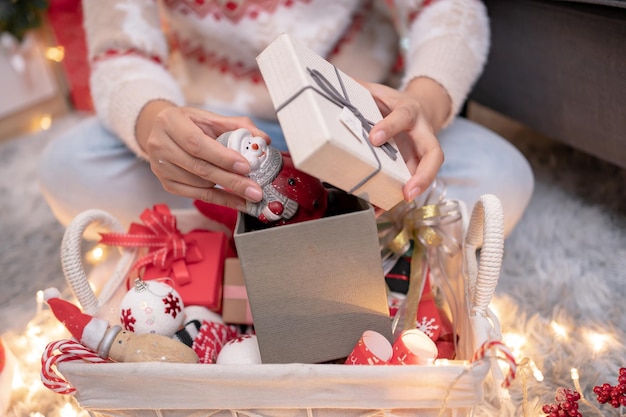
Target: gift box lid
[(323, 112)]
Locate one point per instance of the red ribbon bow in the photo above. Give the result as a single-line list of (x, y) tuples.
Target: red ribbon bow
[(168, 247)]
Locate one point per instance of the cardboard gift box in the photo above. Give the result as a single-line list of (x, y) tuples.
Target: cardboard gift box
[(314, 287), (235, 305), (325, 116)]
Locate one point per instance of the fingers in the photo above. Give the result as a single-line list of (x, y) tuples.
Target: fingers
[(168, 172), (182, 168), (188, 161), (210, 195), (409, 124), (424, 164), (214, 125)]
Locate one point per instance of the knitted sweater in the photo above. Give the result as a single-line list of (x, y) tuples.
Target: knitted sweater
[(202, 52)]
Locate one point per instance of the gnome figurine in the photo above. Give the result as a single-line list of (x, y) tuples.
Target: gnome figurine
[(289, 195), (114, 343)]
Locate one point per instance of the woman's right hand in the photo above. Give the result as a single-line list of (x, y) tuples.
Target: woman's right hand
[(186, 158)]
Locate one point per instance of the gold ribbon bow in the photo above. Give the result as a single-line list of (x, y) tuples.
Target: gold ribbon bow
[(425, 224)]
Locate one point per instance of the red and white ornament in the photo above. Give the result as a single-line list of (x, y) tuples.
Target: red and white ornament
[(243, 350), (152, 307)]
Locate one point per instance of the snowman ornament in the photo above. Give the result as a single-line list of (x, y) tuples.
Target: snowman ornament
[(289, 195)]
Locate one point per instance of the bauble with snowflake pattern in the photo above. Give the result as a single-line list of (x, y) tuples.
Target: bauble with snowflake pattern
[(243, 350), (152, 307)]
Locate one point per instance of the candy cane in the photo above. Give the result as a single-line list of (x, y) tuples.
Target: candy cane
[(69, 351), (489, 345)]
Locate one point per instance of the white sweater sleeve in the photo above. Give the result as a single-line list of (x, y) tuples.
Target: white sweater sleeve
[(126, 48), (448, 42)]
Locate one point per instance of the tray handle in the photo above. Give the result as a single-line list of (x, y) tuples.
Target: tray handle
[(485, 231), (72, 259)]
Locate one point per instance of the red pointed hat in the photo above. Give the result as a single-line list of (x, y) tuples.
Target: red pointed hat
[(88, 330)]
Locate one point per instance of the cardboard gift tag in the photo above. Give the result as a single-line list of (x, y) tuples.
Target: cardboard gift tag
[(325, 116), (235, 305), (314, 287)]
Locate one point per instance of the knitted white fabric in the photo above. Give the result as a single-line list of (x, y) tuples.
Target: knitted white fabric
[(449, 43), (208, 55)]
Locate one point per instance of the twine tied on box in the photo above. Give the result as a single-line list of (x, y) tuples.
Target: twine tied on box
[(169, 248), (424, 225), (340, 99)]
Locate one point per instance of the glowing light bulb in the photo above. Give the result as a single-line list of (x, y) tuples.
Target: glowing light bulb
[(45, 122), (18, 380), (515, 343), (55, 53), (39, 302), (598, 341), (68, 411), (537, 374), (33, 331), (558, 329), (96, 255), (42, 122)]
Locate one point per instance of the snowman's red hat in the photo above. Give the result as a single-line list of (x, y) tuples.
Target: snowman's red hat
[(88, 330)]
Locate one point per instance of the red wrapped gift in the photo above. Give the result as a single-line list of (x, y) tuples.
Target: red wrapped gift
[(194, 261)]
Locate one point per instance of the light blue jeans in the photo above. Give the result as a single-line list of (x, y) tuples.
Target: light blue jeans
[(89, 167)]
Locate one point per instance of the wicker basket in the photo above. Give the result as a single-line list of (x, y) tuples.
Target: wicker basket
[(446, 388)]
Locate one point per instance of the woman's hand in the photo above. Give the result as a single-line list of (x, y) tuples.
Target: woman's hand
[(413, 117), (186, 158)]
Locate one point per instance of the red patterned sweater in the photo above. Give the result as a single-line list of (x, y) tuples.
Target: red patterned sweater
[(202, 52)]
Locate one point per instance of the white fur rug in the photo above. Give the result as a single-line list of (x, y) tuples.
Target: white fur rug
[(564, 265), (565, 269)]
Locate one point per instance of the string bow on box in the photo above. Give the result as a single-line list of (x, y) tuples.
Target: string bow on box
[(194, 260), (426, 227)]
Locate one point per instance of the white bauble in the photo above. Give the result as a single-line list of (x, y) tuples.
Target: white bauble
[(152, 307), (244, 350)]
